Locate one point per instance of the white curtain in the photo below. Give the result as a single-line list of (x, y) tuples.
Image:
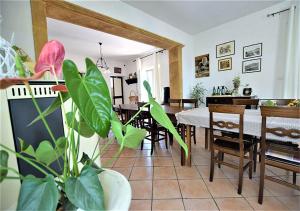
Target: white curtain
[(157, 77), (139, 79), (292, 67)]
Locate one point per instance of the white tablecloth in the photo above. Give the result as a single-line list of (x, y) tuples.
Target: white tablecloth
[(199, 117)]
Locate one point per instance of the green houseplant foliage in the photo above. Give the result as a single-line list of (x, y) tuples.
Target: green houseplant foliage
[(91, 112), (198, 92)]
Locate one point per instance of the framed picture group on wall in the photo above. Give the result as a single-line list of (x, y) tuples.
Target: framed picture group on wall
[(249, 52), (223, 50)]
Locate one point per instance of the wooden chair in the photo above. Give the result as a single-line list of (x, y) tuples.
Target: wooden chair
[(279, 102), (122, 114), (156, 131), (227, 144), (279, 154), (175, 102), (249, 103), (194, 104)]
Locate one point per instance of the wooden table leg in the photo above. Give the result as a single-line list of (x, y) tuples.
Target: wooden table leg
[(183, 138), (188, 142), (206, 137)]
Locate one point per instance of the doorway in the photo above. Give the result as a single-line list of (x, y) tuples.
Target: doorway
[(75, 14)]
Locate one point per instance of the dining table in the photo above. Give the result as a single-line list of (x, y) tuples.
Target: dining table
[(199, 117)]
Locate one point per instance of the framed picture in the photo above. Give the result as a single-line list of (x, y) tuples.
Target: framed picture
[(117, 70), (225, 49), (202, 66), (250, 66), (252, 51), (225, 64)]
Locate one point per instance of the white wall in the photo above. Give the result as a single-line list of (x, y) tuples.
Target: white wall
[(251, 29), (131, 15)]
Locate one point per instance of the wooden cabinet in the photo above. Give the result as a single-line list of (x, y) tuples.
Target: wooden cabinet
[(224, 99)]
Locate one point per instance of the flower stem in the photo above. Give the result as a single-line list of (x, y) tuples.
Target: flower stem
[(25, 159), (141, 109)]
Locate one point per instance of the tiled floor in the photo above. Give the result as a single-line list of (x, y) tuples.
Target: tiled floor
[(159, 182)]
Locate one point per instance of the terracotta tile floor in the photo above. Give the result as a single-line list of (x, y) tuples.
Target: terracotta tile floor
[(159, 182)]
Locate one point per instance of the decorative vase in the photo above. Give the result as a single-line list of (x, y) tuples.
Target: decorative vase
[(117, 191)]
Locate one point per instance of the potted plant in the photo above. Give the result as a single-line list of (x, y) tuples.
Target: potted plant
[(236, 85), (82, 184), (198, 92)]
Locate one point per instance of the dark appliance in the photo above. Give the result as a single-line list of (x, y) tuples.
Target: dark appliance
[(22, 112)]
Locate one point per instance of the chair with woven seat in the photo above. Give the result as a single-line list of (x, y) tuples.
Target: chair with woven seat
[(277, 148), (156, 131), (227, 144), (194, 104)]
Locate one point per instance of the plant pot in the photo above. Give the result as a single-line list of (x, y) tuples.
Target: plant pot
[(117, 190)]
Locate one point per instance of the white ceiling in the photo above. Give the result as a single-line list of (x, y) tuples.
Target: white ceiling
[(199, 15), (83, 41)]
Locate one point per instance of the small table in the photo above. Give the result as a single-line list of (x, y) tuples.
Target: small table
[(199, 117)]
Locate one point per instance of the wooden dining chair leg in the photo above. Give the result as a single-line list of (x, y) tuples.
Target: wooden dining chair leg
[(241, 171), (194, 133), (219, 158), (153, 134), (255, 157), (251, 162), (212, 164), (261, 180), (166, 139), (142, 145), (294, 178), (206, 138)]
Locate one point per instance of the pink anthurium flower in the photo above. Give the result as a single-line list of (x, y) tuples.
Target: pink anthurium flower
[(51, 58), (7, 82), (59, 88)]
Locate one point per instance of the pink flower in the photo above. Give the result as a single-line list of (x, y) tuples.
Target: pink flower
[(7, 82), (51, 58), (60, 88)]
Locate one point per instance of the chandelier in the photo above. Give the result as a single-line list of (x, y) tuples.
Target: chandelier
[(101, 63)]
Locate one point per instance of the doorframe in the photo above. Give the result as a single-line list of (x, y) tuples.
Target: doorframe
[(72, 13)]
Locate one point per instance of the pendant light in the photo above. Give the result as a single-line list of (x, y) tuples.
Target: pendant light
[(101, 63)]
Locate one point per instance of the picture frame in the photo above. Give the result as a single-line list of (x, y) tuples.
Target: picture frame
[(202, 68), (225, 64), (252, 65), (252, 51), (117, 70), (225, 49)]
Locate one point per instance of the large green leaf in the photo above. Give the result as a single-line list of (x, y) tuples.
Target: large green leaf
[(162, 118), (85, 191), (85, 129), (45, 152), (26, 148), (55, 105), (133, 136), (90, 94), (3, 164), (86, 160), (38, 194)]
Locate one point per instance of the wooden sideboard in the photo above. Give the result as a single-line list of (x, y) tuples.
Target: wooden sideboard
[(219, 99)]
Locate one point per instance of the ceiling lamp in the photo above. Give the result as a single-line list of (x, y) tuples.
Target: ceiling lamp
[(101, 63)]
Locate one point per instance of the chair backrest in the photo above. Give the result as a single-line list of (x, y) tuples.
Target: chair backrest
[(221, 124), (141, 104), (121, 112), (279, 102), (249, 103), (278, 111), (193, 102), (175, 102)]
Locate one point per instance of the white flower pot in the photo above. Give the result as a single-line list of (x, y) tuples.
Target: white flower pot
[(117, 190)]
